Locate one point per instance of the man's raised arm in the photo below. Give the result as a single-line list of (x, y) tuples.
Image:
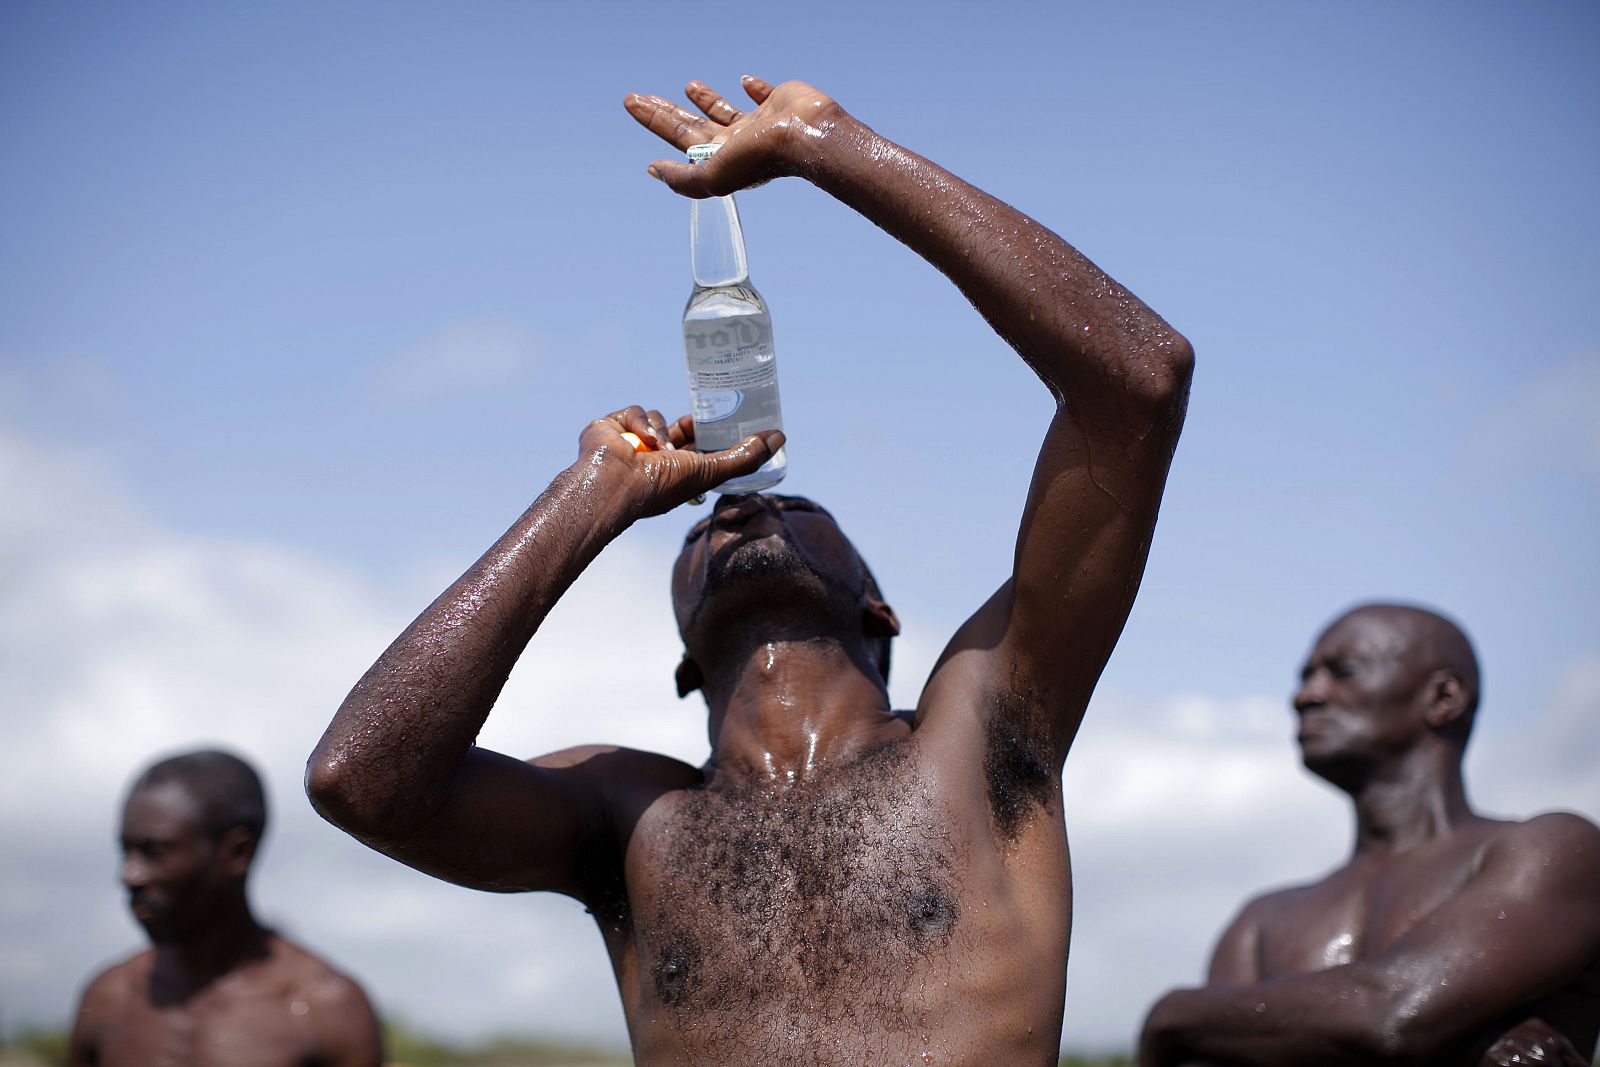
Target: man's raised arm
[(1119, 374), (397, 767)]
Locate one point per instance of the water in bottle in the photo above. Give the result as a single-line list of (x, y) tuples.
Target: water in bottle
[(727, 339)]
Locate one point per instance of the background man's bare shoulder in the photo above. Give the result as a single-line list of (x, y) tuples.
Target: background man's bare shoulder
[(1558, 839), (337, 1007), (1285, 901), (105, 998), (118, 981), (1283, 911), (302, 969)]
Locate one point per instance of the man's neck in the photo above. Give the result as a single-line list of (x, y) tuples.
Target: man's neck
[(1417, 799), (787, 708), (230, 938)]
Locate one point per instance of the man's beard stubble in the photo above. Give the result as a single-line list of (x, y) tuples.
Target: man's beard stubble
[(773, 569)]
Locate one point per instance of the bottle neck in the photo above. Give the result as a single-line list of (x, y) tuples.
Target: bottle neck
[(716, 243)]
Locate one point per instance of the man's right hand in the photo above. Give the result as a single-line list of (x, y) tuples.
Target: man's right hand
[(1529, 1042), (667, 470)]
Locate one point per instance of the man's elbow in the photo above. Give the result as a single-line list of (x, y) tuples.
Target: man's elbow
[(1167, 372), (1148, 383), (338, 794)]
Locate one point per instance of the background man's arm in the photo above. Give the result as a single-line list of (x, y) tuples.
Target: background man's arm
[(83, 1044), (398, 768), (1527, 924), (1236, 959), (1118, 372)]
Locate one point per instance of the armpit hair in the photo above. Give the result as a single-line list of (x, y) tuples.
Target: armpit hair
[(1018, 761)]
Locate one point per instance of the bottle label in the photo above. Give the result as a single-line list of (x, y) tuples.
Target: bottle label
[(733, 378)]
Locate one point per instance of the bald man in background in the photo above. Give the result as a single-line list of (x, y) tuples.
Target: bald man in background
[(215, 987), (1448, 938)]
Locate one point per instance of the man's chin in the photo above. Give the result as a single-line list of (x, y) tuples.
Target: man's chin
[(756, 560), (157, 926), (1331, 765)]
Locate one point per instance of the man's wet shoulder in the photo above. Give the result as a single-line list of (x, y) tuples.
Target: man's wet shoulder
[(306, 976), (617, 763), (1556, 837), (120, 979)]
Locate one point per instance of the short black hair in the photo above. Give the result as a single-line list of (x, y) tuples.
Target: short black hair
[(225, 788)]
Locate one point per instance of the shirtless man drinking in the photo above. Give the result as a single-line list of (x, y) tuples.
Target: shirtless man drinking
[(1448, 938), (840, 883), (215, 987)]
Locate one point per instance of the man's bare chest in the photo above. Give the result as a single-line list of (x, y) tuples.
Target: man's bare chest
[(1358, 912), (834, 891), (241, 1031)]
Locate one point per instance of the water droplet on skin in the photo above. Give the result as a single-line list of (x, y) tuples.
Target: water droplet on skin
[(298, 1007), (1260, 1008)]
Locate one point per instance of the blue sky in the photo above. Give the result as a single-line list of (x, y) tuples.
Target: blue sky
[(301, 304)]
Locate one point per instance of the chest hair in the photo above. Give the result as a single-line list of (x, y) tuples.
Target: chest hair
[(817, 897)]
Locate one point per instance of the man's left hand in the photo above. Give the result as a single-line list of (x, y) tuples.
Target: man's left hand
[(756, 146)]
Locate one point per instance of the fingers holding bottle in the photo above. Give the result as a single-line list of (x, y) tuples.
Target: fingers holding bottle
[(638, 453), (684, 475)]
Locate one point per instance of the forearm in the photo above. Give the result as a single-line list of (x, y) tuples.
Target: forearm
[(1326, 1019), (388, 758), (1080, 330)]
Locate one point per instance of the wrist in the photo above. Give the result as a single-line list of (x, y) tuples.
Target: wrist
[(824, 143), (604, 492)]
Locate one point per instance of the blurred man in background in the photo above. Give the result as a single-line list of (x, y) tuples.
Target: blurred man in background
[(1448, 938), (215, 987)]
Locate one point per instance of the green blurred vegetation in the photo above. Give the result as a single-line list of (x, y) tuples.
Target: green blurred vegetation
[(405, 1045), (32, 1046)]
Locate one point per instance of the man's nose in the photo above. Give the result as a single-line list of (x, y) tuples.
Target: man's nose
[(744, 507), (135, 872), (1311, 693)]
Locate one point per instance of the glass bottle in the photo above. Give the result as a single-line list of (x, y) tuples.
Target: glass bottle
[(727, 340)]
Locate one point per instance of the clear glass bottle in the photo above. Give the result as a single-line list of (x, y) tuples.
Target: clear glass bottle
[(727, 339)]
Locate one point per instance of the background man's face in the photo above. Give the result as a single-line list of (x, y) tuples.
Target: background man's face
[(1357, 700), (169, 862)]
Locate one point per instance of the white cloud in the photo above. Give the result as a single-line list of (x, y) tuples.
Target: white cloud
[(1176, 814), (1546, 762), (463, 358)]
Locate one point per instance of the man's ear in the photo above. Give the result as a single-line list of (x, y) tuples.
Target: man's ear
[(1447, 698), (236, 849), (878, 619), (688, 676)]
